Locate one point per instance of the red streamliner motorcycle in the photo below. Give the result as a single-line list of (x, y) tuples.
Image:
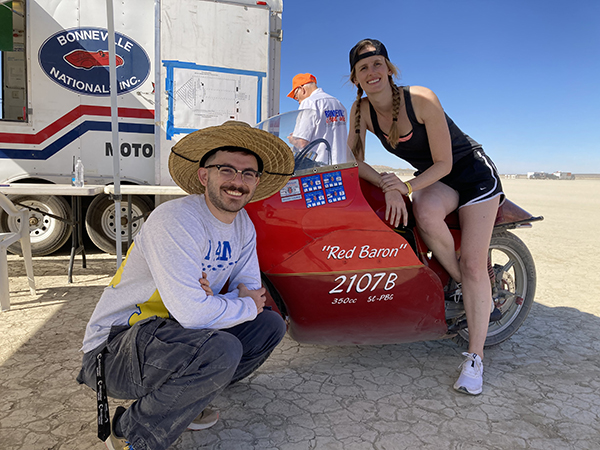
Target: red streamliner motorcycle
[(340, 274)]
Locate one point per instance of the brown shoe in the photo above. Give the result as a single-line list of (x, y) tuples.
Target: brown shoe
[(206, 419), (115, 442)]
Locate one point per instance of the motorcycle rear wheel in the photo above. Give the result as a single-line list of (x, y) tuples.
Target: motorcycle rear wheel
[(513, 289)]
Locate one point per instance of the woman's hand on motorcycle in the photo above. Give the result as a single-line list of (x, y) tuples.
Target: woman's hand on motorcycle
[(395, 208), (390, 181)]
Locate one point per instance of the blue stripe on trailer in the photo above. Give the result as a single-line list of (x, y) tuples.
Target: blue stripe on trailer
[(60, 143)]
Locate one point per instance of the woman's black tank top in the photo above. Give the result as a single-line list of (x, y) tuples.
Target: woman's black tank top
[(416, 150)]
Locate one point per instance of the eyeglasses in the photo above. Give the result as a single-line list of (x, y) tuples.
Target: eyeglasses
[(296, 92), (228, 173)]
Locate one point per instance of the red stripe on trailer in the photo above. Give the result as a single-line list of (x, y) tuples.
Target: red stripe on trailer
[(70, 117)]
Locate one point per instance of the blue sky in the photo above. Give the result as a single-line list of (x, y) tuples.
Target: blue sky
[(519, 76)]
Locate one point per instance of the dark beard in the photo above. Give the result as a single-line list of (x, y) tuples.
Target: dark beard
[(217, 201)]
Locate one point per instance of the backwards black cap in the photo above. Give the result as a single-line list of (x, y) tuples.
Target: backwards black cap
[(379, 50)]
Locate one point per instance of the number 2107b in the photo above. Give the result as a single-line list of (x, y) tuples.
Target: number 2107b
[(367, 281)]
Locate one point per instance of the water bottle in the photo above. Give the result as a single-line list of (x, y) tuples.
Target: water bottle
[(78, 173), (73, 173)]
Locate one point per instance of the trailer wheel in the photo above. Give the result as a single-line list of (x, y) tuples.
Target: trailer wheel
[(100, 220), (46, 233)]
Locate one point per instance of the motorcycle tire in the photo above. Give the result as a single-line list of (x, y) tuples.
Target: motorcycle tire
[(513, 289)]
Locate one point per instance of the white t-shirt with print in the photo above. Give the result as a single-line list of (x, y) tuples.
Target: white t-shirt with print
[(323, 116)]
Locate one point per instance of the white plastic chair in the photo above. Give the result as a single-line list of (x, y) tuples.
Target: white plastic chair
[(6, 239)]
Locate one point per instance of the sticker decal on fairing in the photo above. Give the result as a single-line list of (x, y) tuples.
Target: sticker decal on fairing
[(291, 191), (313, 199), (313, 191), (312, 183), (334, 187), (332, 179), (318, 192)]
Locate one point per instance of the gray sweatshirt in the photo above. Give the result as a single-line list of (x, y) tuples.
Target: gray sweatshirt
[(160, 275)]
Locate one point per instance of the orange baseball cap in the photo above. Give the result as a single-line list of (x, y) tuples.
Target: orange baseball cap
[(300, 80)]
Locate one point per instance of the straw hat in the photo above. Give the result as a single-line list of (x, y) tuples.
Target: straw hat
[(277, 158)]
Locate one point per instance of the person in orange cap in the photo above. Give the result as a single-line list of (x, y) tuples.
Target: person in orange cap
[(322, 116)]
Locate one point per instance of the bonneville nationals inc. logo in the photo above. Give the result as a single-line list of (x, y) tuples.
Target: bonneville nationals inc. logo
[(77, 59)]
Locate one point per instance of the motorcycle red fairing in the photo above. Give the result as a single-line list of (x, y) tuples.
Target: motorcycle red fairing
[(343, 275)]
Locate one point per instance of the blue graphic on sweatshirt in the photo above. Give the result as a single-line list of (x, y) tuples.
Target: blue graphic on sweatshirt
[(218, 256)]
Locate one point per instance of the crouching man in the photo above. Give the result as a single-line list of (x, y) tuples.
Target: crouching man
[(162, 334)]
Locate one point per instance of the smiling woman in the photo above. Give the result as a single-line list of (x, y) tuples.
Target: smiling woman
[(453, 172)]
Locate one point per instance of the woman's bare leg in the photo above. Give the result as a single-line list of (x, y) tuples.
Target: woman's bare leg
[(431, 206), (476, 223)]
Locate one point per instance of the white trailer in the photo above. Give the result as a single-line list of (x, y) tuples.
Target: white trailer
[(218, 61)]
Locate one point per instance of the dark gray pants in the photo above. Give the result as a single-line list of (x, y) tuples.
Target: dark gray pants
[(173, 373)]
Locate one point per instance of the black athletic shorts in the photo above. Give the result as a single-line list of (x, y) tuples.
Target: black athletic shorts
[(475, 178)]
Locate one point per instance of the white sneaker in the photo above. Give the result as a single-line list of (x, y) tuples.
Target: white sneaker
[(470, 380)]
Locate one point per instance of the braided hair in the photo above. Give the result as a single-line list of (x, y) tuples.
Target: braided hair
[(358, 149), (394, 134)]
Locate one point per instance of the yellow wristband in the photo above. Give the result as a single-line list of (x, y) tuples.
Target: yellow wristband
[(409, 188)]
